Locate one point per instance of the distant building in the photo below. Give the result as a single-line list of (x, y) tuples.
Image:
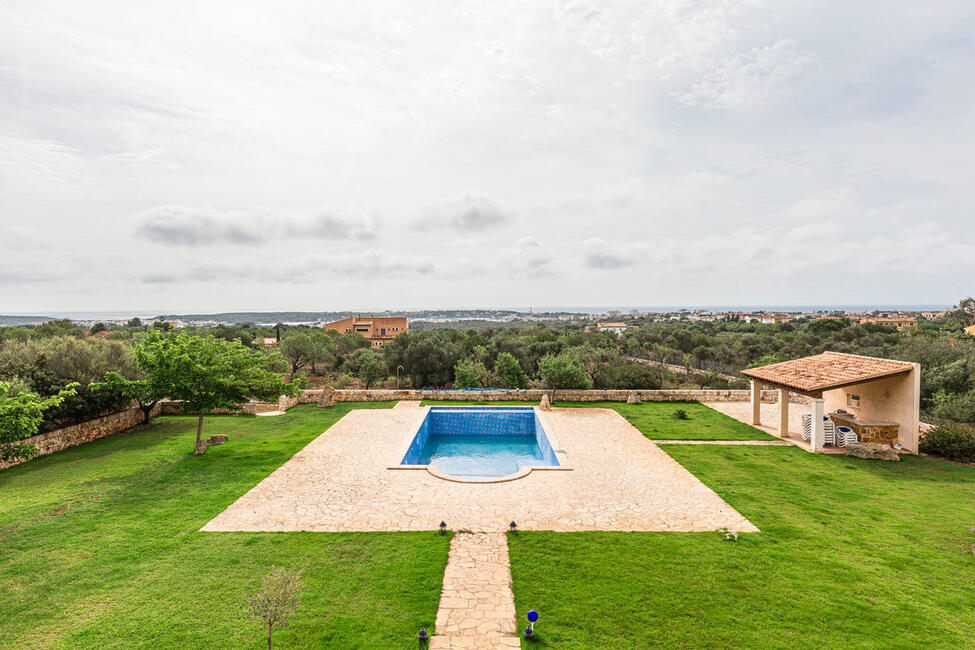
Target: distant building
[(270, 341), (900, 322), (379, 330), (614, 313), (970, 330), (616, 328), (771, 319)]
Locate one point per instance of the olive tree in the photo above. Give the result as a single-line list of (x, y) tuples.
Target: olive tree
[(365, 364), (562, 371)]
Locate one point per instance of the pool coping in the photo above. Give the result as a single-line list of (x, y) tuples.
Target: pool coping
[(523, 471)]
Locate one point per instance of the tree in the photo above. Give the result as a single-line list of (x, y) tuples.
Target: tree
[(279, 596), (632, 375), (207, 373), (469, 374), (562, 371), (134, 322), (964, 312), (302, 348), (63, 327), (767, 360), (20, 418), (144, 391), (365, 364), (510, 372), (597, 361)]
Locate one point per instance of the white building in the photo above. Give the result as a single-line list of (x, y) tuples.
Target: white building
[(616, 328)]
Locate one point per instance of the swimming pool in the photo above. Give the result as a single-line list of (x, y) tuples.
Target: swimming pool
[(481, 442)]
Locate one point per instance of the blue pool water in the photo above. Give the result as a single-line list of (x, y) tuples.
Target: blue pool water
[(480, 442)]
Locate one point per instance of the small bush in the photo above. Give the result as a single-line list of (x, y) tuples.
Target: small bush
[(680, 414), (279, 596), (951, 440)]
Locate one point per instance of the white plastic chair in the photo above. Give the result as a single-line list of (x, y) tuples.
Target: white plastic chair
[(806, 427), (830, 431), (845, 435)]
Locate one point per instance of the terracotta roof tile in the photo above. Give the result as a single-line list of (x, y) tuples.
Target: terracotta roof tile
[(825, 371)]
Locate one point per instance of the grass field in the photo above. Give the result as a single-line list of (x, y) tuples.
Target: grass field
[(851, 553), (99, 548), (656, 419)]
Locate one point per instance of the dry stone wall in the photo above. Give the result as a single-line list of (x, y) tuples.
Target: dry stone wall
[(535, 395), (109, 425)]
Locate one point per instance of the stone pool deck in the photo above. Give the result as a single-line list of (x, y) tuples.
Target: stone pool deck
[(619, 480)]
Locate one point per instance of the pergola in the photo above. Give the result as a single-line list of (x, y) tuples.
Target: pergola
[(871, 388)]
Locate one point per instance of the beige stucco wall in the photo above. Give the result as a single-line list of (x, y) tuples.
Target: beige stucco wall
[(894, 399)]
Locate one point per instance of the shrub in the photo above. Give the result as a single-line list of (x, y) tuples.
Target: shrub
[(630, 375), (959, 408), (470, 374), (950, 440), (680, 414), (510, 371)]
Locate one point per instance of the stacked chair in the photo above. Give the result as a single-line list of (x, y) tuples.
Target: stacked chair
[(831, 436), (845, 435)]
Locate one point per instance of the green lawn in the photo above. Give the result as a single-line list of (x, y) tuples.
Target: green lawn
[(99, 548), (852, 553), (656, 419)]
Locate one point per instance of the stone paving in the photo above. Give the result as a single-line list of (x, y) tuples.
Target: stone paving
[(619, 481), (407, 404), (477, 608)]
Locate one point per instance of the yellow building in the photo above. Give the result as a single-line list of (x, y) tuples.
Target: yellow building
[(970, 330), (379, 331)]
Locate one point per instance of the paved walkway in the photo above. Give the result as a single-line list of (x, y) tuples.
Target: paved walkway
[(477, 608), (407, 404), (619, 481)]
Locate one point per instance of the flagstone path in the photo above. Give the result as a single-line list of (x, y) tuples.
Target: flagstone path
[(477, 608)]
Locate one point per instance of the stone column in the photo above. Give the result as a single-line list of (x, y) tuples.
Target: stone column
[(783, 413), (756, 403), (818, 425)]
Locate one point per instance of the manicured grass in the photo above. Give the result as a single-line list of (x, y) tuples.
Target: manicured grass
[(99, 548), (852, 553), (656, 419)]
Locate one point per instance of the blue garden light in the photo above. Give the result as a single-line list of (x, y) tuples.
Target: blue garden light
[(529, 632)]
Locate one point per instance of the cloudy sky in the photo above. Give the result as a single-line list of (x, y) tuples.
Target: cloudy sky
[(333, 155)]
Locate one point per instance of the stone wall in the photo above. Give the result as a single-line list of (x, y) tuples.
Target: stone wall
[(109, 425), (535, 395)]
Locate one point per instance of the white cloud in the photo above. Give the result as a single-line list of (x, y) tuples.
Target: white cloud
[(181, 225), (602, 254), (466, 213)]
